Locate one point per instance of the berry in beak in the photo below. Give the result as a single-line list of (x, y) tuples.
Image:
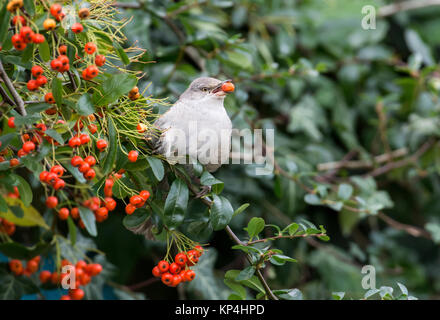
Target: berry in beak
[(223, 88)]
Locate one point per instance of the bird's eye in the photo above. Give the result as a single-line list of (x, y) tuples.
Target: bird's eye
[(205, 89)]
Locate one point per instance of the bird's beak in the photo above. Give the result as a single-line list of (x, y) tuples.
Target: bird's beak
[(223, 88)]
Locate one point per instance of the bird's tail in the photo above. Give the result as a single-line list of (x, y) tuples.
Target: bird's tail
[(145, 229)]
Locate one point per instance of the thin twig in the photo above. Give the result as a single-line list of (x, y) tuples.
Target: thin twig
[(404, 162), (396, 7), (18, 100), (234, 237), (359, 164)]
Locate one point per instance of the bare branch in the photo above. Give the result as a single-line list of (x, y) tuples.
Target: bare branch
[(18, 100), (396, 7)]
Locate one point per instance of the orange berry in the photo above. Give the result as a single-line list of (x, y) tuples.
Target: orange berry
[(133, 155), (45, 276), (77, 27), (63, 214), (49, 24)]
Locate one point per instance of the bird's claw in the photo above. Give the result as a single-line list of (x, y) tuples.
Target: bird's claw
[(205, 190)]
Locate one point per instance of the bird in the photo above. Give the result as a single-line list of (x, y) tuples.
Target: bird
[(196, 127)]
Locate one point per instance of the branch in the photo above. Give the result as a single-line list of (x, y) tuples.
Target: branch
[(69, 73), (234, 238), (285, 237), (128, 5), (6, 97), (404, 162), (414, 231), (394, 8), (18, 100), (359, 164)]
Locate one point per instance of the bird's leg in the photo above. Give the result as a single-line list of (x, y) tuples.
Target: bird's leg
[(205, 190)]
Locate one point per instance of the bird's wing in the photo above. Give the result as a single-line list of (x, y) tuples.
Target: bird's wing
[(164, 122)]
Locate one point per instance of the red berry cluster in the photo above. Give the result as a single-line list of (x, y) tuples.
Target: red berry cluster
[(84, 166), (137, 201), (56, 10), (25, 35), (40, 80), (7, 226), (53, 177), (16, 266), (178, 271), (83, 275), (100, 207), (60, 64)]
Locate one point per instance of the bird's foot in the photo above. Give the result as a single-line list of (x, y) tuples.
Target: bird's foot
[(205, 190)]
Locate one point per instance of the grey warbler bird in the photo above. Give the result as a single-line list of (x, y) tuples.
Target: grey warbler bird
[(196, 126)]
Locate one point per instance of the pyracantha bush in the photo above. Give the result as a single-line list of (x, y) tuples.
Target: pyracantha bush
[(73, 150)]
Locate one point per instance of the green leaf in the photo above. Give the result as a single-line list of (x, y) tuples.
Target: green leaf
[(246, 273), (240, 209), (57, 90), (292, 228), (89, 220), (72, 230), (140, 165), (28, 119), (121, 53), (176, 203), (30, 218), (113, 88), (37, 107), (208, 179), (29, 6), (136, 219), (24, 189), (84, 105), (157, 167), (6, 139), (27, 53), (55, 135), (253, 283), (15, 250), (290, 294), (44, 50), (279, 259), (112, 148), (312, 199), (345, 191), (13, 287), (255, 226), (338, 295), (3, 205), (221, 212), (4, 23)]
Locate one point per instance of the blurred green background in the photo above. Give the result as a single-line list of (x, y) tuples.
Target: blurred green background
[(332, 91)]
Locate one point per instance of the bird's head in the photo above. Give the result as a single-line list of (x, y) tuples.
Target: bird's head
[(208, 88)]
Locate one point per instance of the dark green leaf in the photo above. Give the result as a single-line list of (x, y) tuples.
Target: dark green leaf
[(24, 189), (112, 148), (176, 203), (57, 90), (55, 135), (246, 273), (114, 87), (136, 219), (89, 220), (157, 167), (255, 226), (121, 53), (221, 212), (84, 105), (16, 250)]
